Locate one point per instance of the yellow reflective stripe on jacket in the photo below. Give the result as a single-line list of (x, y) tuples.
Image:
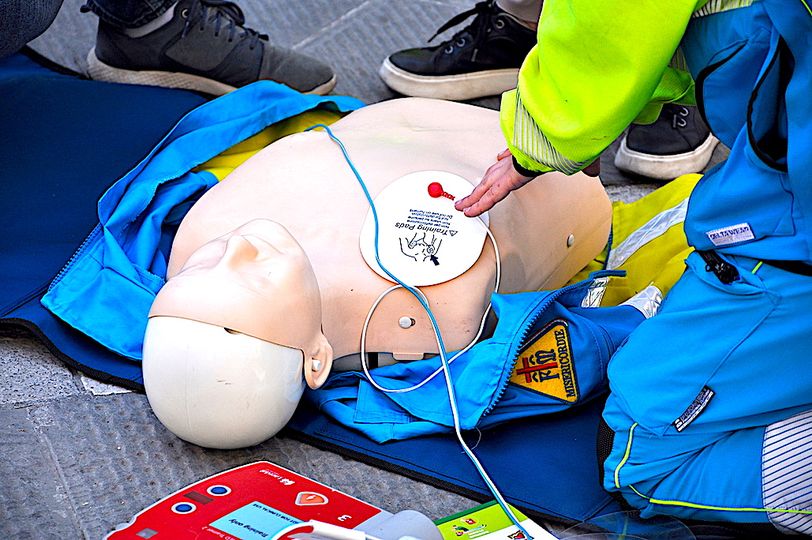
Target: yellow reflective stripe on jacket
[(648, 242), (653, 229), (699, 506)]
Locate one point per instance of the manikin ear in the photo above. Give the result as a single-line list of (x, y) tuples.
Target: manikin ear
[(317, 366)]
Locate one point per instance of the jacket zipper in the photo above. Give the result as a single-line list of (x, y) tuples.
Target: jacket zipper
[(537, 310), (76, 254), (724, 271)]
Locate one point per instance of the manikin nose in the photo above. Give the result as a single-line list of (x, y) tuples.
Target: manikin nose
[(238, 251)]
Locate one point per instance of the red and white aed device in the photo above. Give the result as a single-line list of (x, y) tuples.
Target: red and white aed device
[(263, 501)]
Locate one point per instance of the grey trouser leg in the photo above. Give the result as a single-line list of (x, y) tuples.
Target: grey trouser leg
[(129, 13), (23, 20)]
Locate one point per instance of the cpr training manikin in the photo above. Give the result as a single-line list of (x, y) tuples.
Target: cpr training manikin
[(272, 273)]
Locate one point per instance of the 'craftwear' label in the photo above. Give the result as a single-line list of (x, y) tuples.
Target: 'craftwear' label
[(731, 235)]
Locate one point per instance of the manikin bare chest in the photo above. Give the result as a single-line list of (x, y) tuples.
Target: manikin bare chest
[(546, 231)]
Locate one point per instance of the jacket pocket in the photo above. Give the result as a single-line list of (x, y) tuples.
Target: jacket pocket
[(722, 107), (767, 111), (664, 368), (750, 192), (711, 80)]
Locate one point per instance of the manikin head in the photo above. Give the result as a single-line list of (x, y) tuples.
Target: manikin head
[(233, 337)]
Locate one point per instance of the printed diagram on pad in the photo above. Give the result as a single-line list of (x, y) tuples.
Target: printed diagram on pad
[(422, 238), (421, 247)]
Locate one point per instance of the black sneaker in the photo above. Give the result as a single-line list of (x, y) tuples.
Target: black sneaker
[(204, 47), (678, 143), (482, 59)]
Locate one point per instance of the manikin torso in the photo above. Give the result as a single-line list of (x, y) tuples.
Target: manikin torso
[(546, 231)]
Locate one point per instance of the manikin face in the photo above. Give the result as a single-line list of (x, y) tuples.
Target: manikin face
[(255, 280), (259, 255)]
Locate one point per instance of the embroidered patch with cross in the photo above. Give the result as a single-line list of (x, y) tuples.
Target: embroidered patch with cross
[(545, 364)]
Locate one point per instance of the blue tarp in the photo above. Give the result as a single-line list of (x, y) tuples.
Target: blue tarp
[(65, 141), (109, 284), (547, 466)]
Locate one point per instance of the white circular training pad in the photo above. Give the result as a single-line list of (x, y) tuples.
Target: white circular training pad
[(422, 239)]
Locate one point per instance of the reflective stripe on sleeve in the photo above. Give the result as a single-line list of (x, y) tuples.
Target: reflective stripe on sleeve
[(718, 6), (529, 139)]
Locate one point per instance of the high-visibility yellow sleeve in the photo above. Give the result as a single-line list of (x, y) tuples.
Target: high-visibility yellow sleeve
[(598, 65)]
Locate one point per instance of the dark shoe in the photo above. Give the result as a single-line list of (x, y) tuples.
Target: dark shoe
[(204, 47), (678, 143), (482, 59)]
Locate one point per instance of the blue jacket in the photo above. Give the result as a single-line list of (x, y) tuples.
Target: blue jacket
[(753, 69), (547, 354), (107, 287)]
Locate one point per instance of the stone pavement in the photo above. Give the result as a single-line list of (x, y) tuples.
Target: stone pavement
[(78, 457)]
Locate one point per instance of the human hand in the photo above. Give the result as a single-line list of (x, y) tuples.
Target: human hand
[(499, 180)]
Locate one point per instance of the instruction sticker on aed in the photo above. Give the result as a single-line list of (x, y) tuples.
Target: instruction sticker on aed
[(255, 521)]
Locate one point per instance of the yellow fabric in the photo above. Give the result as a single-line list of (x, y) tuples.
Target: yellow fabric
[(661, 260), (223, 164), (597, 65), (676, 86)]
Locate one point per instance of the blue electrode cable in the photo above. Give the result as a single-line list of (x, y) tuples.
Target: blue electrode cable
[(446, 368)]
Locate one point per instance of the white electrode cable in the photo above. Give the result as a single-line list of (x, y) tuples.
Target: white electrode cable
[(322, 530), (452, 399), (482, 322)]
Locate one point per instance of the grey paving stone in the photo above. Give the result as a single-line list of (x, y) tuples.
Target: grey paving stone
[(34, 503), (29, 373), (289, 24), (629, 192), (117, 458), (720, 154), (357, 45), (69, 38)]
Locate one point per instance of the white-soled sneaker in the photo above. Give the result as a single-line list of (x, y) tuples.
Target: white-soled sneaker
[(205, 47), (678, 143), (482, 59)]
